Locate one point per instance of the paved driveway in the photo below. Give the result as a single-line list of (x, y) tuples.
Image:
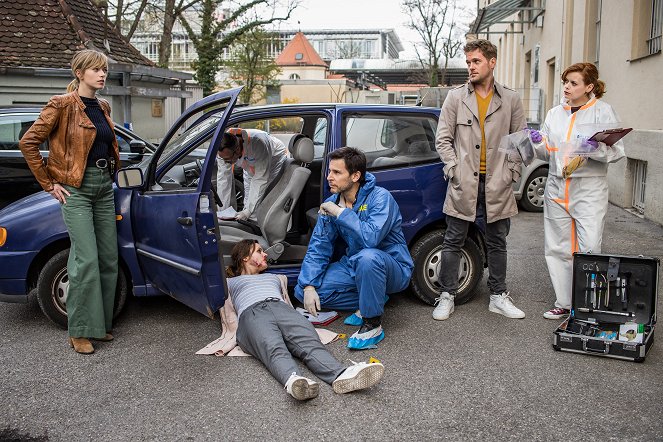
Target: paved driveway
[(476, 376)]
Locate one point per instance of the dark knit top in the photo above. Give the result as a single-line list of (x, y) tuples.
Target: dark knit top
[(101, 148)]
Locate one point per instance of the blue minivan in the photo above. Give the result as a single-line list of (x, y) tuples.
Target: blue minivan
[(171, 239)]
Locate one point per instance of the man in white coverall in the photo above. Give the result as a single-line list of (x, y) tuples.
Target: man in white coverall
[(260, 156)]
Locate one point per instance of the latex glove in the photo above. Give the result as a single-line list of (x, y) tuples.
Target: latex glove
[(242, 216), (450, 173), (535, 136), (589, 145), (330, 209), (311, 300)]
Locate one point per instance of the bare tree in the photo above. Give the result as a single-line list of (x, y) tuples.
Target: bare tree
[(129, 15), (126, 15), (348, 49), (215, 35), (437, 24)]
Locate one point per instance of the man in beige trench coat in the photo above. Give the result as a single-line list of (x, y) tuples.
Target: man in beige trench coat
[(473, 120)]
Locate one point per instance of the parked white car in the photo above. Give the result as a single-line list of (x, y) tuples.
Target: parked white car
[(529, 189)]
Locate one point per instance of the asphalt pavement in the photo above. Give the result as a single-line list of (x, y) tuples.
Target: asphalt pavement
[(476, 376)]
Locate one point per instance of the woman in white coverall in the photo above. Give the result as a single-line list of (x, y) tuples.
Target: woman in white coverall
[(260, 156), (575, 203)]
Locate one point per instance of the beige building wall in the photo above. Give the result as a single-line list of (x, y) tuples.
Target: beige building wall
[(303, 72), (568, 34), (314, 91)]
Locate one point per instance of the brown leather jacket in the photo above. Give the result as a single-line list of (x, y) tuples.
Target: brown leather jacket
[(70, 136)]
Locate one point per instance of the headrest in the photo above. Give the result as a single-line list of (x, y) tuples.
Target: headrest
[(301, 148), (420, 147)]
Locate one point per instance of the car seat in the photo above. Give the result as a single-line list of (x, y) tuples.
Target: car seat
[(273, 213)]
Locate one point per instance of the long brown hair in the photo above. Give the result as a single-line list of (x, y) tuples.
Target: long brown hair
[(86, 59), (590, 75), (241, 250)]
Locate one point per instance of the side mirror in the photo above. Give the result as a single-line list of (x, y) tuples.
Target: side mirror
[(137, 147), (129, 178)]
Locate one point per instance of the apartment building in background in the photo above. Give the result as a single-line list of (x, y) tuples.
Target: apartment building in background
[(538, 39), (330, 44)]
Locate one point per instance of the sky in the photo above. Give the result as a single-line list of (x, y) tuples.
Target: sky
[(359, 14)]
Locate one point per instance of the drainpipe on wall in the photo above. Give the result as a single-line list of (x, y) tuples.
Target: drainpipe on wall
[(126, 100)]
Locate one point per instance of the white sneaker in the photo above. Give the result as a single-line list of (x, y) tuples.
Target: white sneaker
[(445, 306), (301, 388), (358, 376), (503, 304)]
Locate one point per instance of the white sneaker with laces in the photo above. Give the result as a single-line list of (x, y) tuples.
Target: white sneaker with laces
[(301, 388), (445, 306), (358, 376), (503, 304)]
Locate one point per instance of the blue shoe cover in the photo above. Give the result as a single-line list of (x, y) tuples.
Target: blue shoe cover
[(354, 319), (357, 343)]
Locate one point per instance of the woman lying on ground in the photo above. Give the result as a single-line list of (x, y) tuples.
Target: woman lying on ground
[(272, 331)]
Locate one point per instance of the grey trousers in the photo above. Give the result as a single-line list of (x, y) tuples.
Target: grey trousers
[(454, 239), (273, 332)]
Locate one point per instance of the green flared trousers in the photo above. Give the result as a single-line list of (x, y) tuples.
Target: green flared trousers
[(89, 214)]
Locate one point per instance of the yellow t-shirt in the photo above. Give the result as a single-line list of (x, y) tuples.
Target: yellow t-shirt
[(483, 103)]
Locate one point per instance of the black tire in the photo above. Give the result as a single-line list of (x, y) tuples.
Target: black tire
[(426, 254), (53, 283), (532, 197)]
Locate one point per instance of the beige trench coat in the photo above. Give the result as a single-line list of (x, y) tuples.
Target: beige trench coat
[(458, 141)]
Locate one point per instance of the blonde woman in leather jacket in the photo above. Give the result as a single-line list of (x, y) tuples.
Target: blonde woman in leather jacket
[(82, 153)]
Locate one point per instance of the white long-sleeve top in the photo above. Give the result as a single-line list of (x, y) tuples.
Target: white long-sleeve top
[(261, 161), (563, 126)]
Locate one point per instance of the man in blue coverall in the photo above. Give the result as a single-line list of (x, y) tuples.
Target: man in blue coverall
[(376, 261)]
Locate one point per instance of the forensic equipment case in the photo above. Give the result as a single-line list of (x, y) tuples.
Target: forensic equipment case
[(613, 311)]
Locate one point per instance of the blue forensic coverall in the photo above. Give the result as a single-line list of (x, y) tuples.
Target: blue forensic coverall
[(376, 261)]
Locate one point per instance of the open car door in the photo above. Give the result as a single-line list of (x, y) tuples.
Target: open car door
[(173, 214)]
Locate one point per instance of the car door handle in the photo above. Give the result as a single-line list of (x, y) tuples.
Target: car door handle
[(185, 220)]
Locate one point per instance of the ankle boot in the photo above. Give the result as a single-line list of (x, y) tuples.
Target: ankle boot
[(106, 338), (81, 345)]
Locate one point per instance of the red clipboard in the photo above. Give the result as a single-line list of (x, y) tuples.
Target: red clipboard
[(611, 136)]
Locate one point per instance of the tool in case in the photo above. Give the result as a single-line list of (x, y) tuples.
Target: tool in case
[(613, 307)]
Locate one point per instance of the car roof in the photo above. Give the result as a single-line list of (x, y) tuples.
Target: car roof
[(10, 109), (321, 106)]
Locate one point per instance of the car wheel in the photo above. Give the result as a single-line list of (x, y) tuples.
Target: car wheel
[(53, 286), (533, 192), (427, 256)]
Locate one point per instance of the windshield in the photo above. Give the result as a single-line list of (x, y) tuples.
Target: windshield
[(195, 130)]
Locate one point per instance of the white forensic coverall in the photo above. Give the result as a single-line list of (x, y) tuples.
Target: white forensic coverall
[(261, 161), (575, 208)]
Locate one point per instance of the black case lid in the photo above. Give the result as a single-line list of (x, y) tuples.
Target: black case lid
[(642, 277)]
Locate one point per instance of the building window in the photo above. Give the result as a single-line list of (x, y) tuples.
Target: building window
[(647, 28), (299, 56), (597, 35), (294, 77), (593, 30), (639, 185), (654, 41)]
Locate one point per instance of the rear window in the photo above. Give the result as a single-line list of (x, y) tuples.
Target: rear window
[(390, 140)]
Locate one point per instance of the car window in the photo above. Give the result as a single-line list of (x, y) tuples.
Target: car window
[(122, 142), (320, 138), (392, 140), (12, 128), (198, 126)]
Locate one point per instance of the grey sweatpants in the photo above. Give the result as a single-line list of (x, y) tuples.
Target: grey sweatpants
[(274, 332)]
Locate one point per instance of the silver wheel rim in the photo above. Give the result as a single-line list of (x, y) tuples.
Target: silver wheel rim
[(535, 191), (432, 270), (60, 290)]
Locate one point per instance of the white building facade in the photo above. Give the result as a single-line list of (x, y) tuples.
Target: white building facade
[(538, 39)]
